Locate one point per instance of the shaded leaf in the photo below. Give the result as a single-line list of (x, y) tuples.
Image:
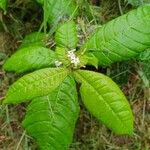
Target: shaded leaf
[(3, 4), (58, 9), (92, 60), (145, 56), (144, 69), (35, 38), (134, 2), (2, 56), (120, 72), (144, 73)]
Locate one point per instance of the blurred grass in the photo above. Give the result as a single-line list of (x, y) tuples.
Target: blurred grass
[(24, 17)]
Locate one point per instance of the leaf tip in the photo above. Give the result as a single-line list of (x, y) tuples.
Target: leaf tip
[(4, 102), (128, 131), (5, 66)]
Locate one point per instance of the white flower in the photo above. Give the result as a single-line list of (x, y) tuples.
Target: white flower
[(76, 61), (73, 58), (58, 63)]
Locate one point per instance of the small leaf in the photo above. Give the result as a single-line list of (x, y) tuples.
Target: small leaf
[(62, 55), (29, 59), (144, 73), (91, 60), (134, 2), (50, 120), (35, 38), (38, 83), (66, 35), (122, 38), (144, 69), (3, 4), (105, 101), (2, 56), (145, 56)]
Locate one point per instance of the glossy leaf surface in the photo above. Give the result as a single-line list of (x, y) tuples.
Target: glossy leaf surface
[(50, 120), (103, 98), (122, 38), (66, 35), (29, 59), (38, 83)]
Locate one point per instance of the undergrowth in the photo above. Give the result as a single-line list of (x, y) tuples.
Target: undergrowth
[(22, 19)]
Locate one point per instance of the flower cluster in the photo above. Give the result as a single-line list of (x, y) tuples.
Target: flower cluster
[(73, 58)]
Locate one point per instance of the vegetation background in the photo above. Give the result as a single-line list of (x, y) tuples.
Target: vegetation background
[(25, 16)]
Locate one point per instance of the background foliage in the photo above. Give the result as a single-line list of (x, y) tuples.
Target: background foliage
[(24, 17)]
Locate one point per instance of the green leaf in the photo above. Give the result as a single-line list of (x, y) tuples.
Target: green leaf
[(50, 120), (58, 9), (134, 2), (3, 4), (144, 69), (91, 59), (35, 38), (105, 101), (66, 35), (144, 73), (30, 58), (2, 56), (62, 55), (122, 38), (145, 56), (38, 83)]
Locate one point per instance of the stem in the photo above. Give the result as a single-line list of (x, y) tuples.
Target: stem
[(18, 145)]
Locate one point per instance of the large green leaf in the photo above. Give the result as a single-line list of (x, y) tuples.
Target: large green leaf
[(50, 120), (35, 38), (38, 83), (66, 35), (57, 9), (30, 58), (105, 101), (121, 38), (3, 4)]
